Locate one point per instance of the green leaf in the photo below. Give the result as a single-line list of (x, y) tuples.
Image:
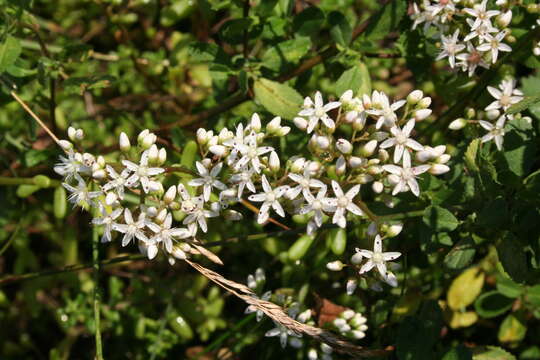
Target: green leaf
[(465, 288), (309, 22), (458, 353), (286, 52), (531, 87), (532, 295), (279, 99), (492, 353), (25, 190), (337, 238), (513, 258), (461, 255), (10, 50), (300, 247), (233, 30), (524, 104), (519, 150), (79, 85), (509, 288), (60, 202), (356, 79), (386, 20), (494, 214), (512, 329), (492, 304), (470, 155), (203, 52), (340, 29), (439, 219)]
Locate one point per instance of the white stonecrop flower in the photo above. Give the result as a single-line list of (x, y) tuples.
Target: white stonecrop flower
[(141, 173), (70, 166), (406, 177), (505, 96), (377, 258), (481, 14), (118, 181), (494, 44), (244, 180), (317, 205), (495, 132), (305, 182), (401, 141), (208, 179), (269, 197), (318, 112), (80, 194), (343, 203), (282, 332), (250, 152), (451, 47), (107, 219), (164, 234), (131, 229), (385, 111)]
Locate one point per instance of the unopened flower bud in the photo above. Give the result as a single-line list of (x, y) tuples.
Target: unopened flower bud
[(443, 159), (155, 187), (504, 19), (458, 124), (170, 195), (536, 51), (356, 162), (357, 334), (377, 187), (255, 122), (394, 230), (153, 154), (66, 145), (356, 258), (312, 354), (298, 165), (470, 113), (300, 123), (335, 265), (142, 135), (71, 133), (339, 322), (273, 162), (99, 174), (148, 141), (284, 130), (421, 114), (162, 214), (493, 114), (351, 286), (369, 148), (415, 96), (424, 103), (212, 140), (341, 166), (201, 136), (232, 215), (364, 178), (358, 320), (322, 142), (313, 167), (347, 314), (179, 253), (218, 150), (225, 135), (374, 170), (372, 229), (79, 134), (162, 156), (124, 143), (438, 169), (273, 126), (344, 146)]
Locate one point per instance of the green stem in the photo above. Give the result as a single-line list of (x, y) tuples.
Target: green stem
[(97, 294), (6, 180), (403, 215)]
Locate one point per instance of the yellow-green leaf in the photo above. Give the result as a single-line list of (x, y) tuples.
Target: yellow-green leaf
[(279, 99), (465, 288)]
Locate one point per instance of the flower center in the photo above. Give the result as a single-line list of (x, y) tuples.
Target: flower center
[(343, 201), (504, 100), (317, 205), (401, 138), (377, 258), (142, 171), (270, 197), (319, 112)]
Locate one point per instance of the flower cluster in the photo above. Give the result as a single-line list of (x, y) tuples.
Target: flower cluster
[(471, 36), (351, 324), (505, 95)]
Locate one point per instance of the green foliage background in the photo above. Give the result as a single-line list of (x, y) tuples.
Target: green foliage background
[(469, 285)]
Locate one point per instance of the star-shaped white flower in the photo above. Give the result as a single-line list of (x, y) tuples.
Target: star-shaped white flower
[(318, 205), (197, 214), (451, 47), (282, 332), (131, 229), (506, 96), (480, 31), (343, 203), (481, 14), (305, 182), (494, 44), (495, 132), (384, 110), (106, 219), (243, 179), (377, 258), (250, 152), (164, 234), (208, 179), (406, 177), (253, 309), (401, 141), (118, 181), (141, 173), (71, 165), (471, 59), (269, 197), (318, 112), (80, 194)]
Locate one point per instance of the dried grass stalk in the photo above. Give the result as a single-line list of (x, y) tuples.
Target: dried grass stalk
[(276, 313)]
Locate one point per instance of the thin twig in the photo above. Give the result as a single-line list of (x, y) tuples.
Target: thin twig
[(97, 294)]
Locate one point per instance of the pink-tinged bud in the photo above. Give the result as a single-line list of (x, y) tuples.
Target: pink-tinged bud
[(415, 96), (255, 122), (458, 124), (341, 166), (421, 114), (438, 169), (344, 146), (300, 123), (218, 150), (335, 265), (377, 187)]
